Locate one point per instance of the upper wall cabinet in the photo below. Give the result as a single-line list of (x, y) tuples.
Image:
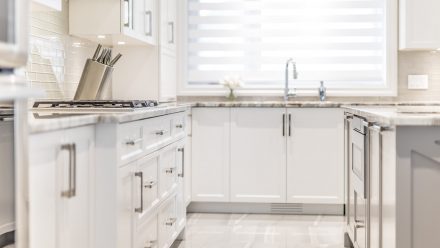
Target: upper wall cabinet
[(47, 5), (115, 22), (419, 24)]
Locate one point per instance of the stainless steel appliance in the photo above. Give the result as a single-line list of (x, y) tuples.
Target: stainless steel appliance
[(7, 206), (13, 33), (96, 106), (357, 131)]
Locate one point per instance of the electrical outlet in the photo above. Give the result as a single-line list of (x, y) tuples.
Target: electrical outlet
[(418, 82)]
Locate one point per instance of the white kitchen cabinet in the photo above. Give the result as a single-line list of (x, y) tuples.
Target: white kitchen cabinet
[(140, 168), (188, 160), (133, 22), (315, 156), (167, 223), (168, 29), (54, 5), (418, 24), (168, 76), (258, 155), (156, 77), (210, 154), (61, 188)]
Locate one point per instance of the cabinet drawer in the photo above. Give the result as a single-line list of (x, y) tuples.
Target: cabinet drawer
[(167, 223), (178, 125), (147, 235), (130, 137), (147, 170), (157, 132), (168, 171)]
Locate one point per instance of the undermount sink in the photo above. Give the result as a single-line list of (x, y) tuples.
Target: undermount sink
[(418, 110)]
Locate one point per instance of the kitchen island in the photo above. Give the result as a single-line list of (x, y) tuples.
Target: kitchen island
[(398, 164), (107, 179)]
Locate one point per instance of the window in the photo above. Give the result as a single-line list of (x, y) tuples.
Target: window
[(347, 43)]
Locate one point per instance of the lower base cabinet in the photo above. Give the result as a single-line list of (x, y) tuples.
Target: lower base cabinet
[(61, 189), (268, 155)]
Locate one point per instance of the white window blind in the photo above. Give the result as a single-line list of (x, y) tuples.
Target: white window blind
[(340, 41)]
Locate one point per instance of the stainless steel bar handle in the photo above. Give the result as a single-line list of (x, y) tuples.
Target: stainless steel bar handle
[(290, 125), (74, 169), (68, 193), (127, 16), (141, 176), (179, 126), (284, 125), (182, 150), (171, 24), (149, 17)]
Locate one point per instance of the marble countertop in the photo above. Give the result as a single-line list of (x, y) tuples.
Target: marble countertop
[(400, 115), (12, 91), (45, 121), (302, 104), (387, 113)]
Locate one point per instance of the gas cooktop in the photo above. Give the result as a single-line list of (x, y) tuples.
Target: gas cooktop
[(95, 105)]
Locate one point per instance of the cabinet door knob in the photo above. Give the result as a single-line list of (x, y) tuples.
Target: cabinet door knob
[(179, 126), (171, 221), (150, 244), (170, 170), (133, 142), (151, 184), (161, 132)]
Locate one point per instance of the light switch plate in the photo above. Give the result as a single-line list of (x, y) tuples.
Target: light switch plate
[(418, 82)]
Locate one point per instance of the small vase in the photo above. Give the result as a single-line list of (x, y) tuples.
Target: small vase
[(231, 96)]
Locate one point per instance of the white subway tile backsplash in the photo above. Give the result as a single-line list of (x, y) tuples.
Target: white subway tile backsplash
[(56, 59)]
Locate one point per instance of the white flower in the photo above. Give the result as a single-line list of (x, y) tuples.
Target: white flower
[(231, 82)]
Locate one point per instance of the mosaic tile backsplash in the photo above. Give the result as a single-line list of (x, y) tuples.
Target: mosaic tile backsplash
[(57, 59)]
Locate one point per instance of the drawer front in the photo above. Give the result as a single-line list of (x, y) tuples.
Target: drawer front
[(147, 171), (147, 235), (179, 125), (168, 171), (167, 223), (157, 132), (130, 139)]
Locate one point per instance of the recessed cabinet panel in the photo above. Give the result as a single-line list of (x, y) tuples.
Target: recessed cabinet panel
[(61, 189), (419, 21), (258, 155), (133, 22), (168, 171), (210, 154), (147, 235), (315, 156)]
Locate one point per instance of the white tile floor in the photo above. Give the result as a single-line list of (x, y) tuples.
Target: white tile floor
[(263, 231)]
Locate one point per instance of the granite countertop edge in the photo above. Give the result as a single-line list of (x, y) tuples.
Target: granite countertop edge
[(40, 125), (52, 124)]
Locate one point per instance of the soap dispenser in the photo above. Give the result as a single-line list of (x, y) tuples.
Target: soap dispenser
[(322, 92)]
